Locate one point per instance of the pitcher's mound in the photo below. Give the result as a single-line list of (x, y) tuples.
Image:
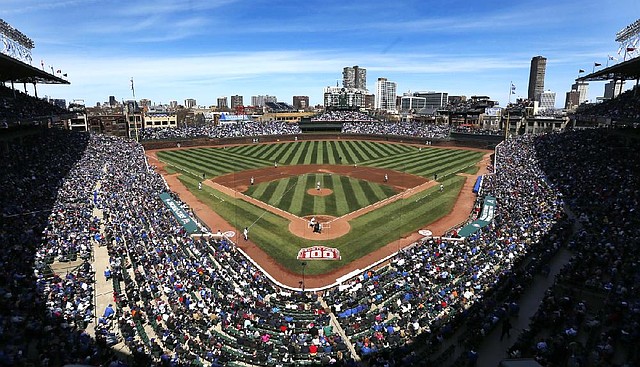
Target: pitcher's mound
[(321, 192)]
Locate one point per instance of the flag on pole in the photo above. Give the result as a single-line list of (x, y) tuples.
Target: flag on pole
[(42, 63), (64, 75), (52, 70), (612, 58), (513, 89), (580, 71), (59, 71), (631, 49), (133, 90), (597, 64)]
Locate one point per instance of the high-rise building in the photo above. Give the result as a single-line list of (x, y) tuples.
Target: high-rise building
[(222, 102), (572, 100), (301, 102), (613, 89), (583, 90), (410, 102), (386, 95), (112, 101), (547, 100), (173, 104), (536, 77), (189, 103), (260, 101), (354, 77), (236, 101), (434, 100)]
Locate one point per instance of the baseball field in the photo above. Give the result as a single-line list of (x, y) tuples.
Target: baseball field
[(366, 194)]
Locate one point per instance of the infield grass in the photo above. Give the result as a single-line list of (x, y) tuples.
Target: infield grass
[(348, 194)]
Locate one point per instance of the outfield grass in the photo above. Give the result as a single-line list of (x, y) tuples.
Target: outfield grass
[(368, 232), (349, 194)]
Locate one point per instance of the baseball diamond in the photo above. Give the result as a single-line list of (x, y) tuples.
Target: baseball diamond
[(366, 217)]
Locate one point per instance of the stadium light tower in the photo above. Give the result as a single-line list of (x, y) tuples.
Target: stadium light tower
[(628, 38)]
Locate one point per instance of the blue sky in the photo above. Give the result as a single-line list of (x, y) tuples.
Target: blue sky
[(206, 49)]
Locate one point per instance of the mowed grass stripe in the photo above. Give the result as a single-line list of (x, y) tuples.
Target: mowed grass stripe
[(332, 155), (190, 164), (458, 165), (177, 166), (444, 163), (325, 153), (286, 153), (271, 152), (320, 201), (426, 152), (297, 152), (394, 149), (306, 158), (342, 206), (301, 153), (341, 153), (280, 190), (294, 197), (220, 164), (408, 159), (247, 150), (378, 150), (256, 151), (416, 165), (260, 190), (349, 193), (229, 162), (315, 152), (366, 151), (354, 148), (381, 191), (222, 155), (367, 192), (306, 201), (257, 160), (294, 148), (330, 201)]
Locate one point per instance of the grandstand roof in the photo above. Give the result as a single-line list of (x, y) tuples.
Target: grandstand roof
[(626, 70), (17, 71)]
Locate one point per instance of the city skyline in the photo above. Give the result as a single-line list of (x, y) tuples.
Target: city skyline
[(205, 50)]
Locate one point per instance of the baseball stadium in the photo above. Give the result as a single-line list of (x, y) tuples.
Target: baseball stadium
[(341, 240)]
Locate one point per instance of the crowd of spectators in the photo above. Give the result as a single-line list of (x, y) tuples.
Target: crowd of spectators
[(228, 130), (46, 217), (19, 108), (591, 315), (624, 109), (471, 130), (346, 116), (413, 129)]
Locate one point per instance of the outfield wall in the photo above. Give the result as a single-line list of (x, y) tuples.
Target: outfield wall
[(460, 140)]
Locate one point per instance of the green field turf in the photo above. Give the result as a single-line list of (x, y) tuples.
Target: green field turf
[(349, 194), (368, 232)]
